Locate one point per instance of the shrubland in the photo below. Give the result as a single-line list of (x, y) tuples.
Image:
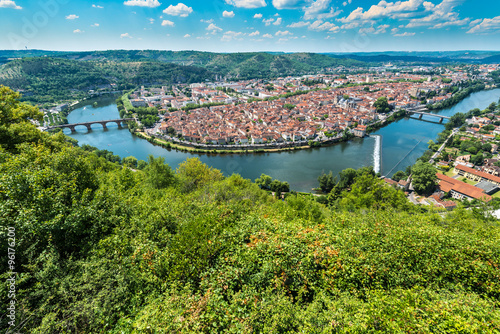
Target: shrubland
[(102, 248)]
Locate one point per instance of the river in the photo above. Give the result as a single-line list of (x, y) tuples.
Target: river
[(384, 149)]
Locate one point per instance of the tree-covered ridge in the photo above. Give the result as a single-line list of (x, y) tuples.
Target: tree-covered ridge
[(105, 249), (47, 79)]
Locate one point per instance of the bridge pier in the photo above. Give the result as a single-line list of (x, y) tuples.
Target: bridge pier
[(88, 125), (420, 117), (441, 120)]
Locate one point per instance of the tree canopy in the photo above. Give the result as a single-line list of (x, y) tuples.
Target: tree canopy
[(423, 177), (100, 248), (382, 105)]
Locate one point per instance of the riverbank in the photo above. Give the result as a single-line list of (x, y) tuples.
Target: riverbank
[(393, 117), (228, 149)]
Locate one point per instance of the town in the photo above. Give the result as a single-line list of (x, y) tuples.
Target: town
[(324, 109), (313, 108)]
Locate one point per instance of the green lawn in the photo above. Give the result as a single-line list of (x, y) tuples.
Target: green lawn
[(463, 179), (450, 173)]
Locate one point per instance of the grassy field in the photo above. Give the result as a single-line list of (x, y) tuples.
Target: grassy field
[(126, 102), (450, 173), (463, 179)]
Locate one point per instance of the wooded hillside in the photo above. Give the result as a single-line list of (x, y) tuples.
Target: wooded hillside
[(102, 248)]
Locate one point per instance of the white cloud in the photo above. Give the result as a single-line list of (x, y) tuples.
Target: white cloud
[(187, 35), (351, 25), (151, 20), (9, 4), (268, 21), (213, 28), (247, 3), (319, 25), (286, 4), (227, 14), (277, 22), (379, 30), (95, 25), (486, 26), (473, 23), (230, 35), (439, 14), (267, 36), (451, 23), (142, 3), (167, 23), (320, 9), (394, 30), (178, 10), (72, 17), (383, 9), (257, 16), (78, 31), (255, 33), (207, 21), (125, 35), (283, 33), (345, 3), (406, 34), (300, 24), (97, 6)]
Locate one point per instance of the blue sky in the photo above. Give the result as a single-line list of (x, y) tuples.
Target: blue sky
[(251, 25)]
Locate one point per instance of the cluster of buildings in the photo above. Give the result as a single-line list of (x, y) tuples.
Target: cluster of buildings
[(319, 107), (466, 181)]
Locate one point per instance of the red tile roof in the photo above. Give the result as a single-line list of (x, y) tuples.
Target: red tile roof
[(478, 173), (447, 183)]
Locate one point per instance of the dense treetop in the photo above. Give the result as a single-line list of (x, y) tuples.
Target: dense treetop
[(102, 248)]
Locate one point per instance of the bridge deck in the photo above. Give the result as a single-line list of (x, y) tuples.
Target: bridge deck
[(428, 114), (103, 122)]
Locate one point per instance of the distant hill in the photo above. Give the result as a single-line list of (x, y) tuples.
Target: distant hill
[(491, 60), (242, 65), (47, 79), (423, 57), (49, 75), (393, 59)]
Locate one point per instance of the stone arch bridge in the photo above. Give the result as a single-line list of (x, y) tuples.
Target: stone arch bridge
[(89, 124)]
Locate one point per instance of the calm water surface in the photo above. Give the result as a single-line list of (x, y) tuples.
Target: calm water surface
[(300, 168)]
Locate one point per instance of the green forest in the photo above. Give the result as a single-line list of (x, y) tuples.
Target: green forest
[(104, 248), (49, 80), (69, 76)]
